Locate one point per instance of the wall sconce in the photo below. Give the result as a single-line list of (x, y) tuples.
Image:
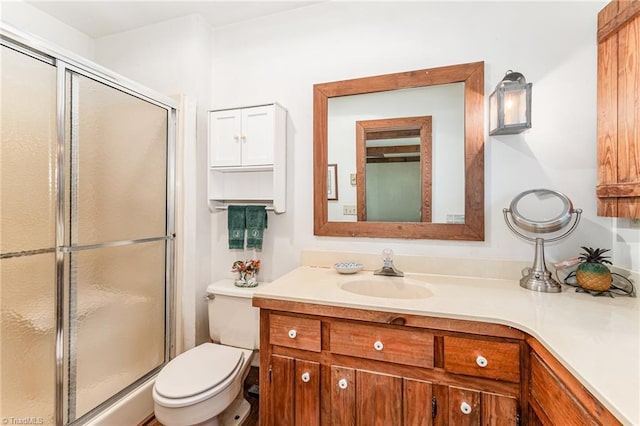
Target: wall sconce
[(510, 105)]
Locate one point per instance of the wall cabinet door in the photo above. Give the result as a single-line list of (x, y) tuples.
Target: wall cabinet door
[(295, 389), (225, 128), (618, 187), (257, 136), (242, 137)]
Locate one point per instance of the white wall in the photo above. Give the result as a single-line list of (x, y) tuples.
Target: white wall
[(553, 44), (29, 19)]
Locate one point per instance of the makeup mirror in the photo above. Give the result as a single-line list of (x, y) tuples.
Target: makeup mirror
[(541, 211)]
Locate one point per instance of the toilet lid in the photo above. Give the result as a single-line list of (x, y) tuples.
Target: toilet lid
[(198, 370)]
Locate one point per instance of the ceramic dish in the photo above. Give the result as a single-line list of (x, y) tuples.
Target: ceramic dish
[(348, 267)]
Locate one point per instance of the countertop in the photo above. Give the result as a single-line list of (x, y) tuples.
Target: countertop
[(596, 338)]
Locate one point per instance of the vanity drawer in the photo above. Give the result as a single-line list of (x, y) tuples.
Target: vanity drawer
[(294, 332), (482, 358), (411, 347)]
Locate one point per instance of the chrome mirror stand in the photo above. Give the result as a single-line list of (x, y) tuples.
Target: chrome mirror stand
[(538, 278)]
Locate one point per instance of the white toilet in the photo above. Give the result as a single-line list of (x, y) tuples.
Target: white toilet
[(203, 386)]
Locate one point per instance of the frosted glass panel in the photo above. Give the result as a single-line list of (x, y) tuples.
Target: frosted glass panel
[(118, 171), (394, 192), (27, 333), (27, 152), (120, 318)]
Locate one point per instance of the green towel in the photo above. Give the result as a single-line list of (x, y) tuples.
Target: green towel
[(236, 223), (256, 223)]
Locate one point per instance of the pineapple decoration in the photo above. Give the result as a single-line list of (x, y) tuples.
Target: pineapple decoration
[(593, 273)]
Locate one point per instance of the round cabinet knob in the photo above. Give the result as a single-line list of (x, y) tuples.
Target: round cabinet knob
[(236, 137), (481, 361), (465, 408), (378, 346), (293, 334), (305, 377), (343, 384)]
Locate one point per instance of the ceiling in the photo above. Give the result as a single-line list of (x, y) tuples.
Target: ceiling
[(101, 18)]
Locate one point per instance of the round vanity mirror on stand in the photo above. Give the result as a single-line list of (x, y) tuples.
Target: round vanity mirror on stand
[(545, 211)]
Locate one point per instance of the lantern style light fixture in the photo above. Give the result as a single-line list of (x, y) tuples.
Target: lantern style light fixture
[(510, 105)]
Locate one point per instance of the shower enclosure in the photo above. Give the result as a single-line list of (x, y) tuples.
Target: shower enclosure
[(86, 234)]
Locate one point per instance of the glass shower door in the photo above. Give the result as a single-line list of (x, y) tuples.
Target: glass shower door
[(116, 222), (27, 237)]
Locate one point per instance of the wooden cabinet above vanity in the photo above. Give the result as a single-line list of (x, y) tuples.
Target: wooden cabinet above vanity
[(618, 187)]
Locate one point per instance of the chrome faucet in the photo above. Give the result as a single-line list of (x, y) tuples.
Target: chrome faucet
[(387, 268)]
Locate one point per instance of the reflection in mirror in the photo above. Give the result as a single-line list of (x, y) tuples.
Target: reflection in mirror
[(384, 193), (394, 169), (444, 179)]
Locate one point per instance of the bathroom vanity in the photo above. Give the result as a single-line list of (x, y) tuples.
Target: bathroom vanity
[(468, 351)]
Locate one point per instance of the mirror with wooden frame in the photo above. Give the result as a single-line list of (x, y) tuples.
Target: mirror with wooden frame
[(410, 150)]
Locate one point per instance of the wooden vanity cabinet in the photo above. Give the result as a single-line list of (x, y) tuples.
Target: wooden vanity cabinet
[(618, 187), (322, 365), (556, 397)]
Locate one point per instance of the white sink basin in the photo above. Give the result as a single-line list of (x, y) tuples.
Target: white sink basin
[(388, 287)]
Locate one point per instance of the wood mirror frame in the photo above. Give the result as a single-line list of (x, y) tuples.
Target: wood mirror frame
[(472, 75)]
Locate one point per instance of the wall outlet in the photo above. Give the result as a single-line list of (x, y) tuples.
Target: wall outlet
[(455, 218), (349, 210)]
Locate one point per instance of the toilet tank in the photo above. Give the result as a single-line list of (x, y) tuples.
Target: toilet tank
[(232, 319)]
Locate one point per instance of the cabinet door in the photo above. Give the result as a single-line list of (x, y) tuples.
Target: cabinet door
[(224, 138), (307, 393), (295, 392), (343, 396), (281, 383), (464, 406), (557, 403), (417, 404), (258, 135), (498, 410), (366, 401), (618, 187), (471, 407), (379, 399)]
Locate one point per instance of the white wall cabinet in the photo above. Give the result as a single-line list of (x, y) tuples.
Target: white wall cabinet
[(243, 137), (247, 156)]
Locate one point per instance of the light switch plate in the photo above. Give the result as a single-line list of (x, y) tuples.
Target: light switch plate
[(352, 178), (349, 210)]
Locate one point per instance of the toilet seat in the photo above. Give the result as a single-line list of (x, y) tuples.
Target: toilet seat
[(197, 374)]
